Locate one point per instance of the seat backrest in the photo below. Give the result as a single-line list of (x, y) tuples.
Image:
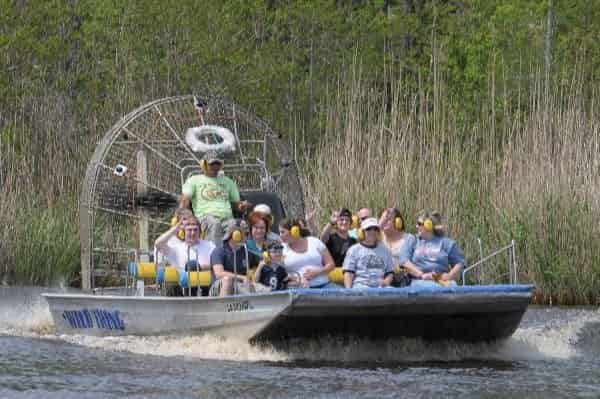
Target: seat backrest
[(271, 199)]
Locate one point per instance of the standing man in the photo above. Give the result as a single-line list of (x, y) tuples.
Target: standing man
[(212, 197)]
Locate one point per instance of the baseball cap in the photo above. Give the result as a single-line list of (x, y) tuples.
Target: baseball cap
[(369, 223), (212, 156), (263, 208)]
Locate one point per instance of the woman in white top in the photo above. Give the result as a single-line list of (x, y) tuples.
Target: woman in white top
[(396, 239), (307, 256)]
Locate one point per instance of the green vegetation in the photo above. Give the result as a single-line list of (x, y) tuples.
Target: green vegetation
[(472, 107)]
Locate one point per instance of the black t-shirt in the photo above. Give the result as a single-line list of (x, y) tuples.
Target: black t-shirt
[(274, 278), (224, 256), (338, 247)]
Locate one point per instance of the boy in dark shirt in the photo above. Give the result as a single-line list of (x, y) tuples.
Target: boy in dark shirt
[(270, 271), (335, 235)]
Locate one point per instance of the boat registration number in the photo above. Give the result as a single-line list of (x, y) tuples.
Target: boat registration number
[(242, 306)]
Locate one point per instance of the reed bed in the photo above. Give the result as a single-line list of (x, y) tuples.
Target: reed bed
[(529, 176)]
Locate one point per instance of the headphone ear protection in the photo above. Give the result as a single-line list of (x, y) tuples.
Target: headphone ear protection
[(398, 225), (180, 233), (428, 225), (354, 224), (236, 236), (266, 257), (360, 234), (295, 231), (204, 165)]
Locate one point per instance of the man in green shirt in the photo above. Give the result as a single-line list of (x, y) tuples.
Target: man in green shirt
[(212, 196)]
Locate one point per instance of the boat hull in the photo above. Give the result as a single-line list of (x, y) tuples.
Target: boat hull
[(476, 313)]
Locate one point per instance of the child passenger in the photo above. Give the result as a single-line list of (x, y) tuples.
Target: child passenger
[(270, 272)]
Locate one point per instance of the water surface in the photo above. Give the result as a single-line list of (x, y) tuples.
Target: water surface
[(554, 354)]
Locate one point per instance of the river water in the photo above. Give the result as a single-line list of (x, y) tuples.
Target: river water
[(554, 354)]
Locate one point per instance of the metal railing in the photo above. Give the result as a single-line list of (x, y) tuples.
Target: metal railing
[(512, 261)]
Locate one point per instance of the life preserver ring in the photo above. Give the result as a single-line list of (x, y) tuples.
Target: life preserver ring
[(194, 138)]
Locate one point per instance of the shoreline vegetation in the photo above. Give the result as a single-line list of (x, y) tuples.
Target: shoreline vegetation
[(472, 109)]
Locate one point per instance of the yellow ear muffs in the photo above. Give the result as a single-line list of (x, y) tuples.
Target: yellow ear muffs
[(180, 233), (266, 257), (295, 232), (398, 225), (354, 222), (236, 236), (204, 165), (360, 234), (428, 225)]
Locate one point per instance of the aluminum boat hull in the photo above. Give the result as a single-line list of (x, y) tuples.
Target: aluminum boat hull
[(462, 313)]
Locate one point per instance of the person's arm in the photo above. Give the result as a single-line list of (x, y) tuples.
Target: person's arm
[(348, 278), (185, 201), (405, 256), (329, 228), (388, 279), (258, 271), (456, 260), (161, 241), (349, 267), (234, 197), (388, 271), (220, 272)]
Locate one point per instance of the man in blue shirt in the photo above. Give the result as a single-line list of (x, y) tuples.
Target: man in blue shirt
[(231, 262)]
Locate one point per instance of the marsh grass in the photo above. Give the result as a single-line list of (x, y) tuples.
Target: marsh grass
[(529, 176)]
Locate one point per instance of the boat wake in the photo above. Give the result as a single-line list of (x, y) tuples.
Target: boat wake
[(544, 333)]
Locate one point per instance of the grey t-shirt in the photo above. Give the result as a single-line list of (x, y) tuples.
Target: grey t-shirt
[(369, 265), (433, 255)]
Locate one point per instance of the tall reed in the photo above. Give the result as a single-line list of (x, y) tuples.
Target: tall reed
[(505, 175)]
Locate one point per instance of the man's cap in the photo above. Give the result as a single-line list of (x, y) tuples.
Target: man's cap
[(212, 156), (263, 208), (368, 223)]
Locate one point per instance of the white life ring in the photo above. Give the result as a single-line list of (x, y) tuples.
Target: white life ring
[(194, 137)]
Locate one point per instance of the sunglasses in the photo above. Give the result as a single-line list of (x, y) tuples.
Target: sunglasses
[(419, 223), (371, 228)]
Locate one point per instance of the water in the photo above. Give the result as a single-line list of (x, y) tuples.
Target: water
[(554, 354)]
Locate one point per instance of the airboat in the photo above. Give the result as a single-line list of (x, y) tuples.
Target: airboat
[(131, 189)]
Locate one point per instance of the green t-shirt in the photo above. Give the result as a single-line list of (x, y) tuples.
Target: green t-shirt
[(211, 195)]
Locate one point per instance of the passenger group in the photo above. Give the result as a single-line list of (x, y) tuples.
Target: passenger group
[(246, 255)]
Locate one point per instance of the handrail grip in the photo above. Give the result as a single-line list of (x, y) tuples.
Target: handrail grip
[(479, 262)]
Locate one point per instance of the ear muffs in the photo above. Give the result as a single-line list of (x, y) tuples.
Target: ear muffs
[(204, 165), (398, 225), (428, 225), (360, 234), (295, 231), (266, 257), (236, 236), (180, 233), (354, 224)]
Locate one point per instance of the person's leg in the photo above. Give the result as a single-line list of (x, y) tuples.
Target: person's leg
[(212, 229)]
